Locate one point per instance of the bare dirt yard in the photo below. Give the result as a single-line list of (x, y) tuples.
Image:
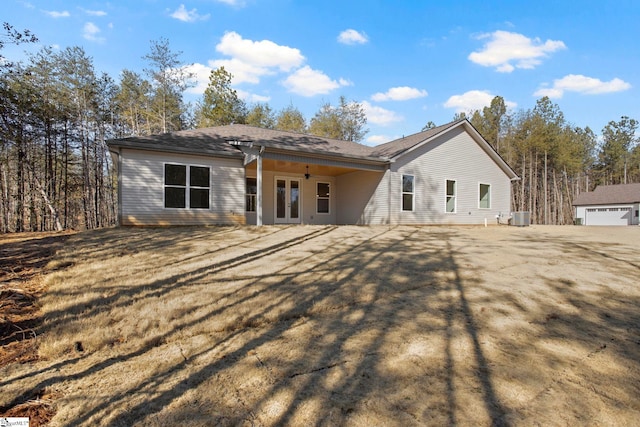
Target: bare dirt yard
[(322, 325)]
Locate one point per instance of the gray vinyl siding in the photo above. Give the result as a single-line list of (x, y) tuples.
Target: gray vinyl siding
[(363, 198), (142, 190), (455, 156), (308, 194)]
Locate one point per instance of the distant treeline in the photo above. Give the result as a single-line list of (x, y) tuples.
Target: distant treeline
[(57, 112), (556, 160)]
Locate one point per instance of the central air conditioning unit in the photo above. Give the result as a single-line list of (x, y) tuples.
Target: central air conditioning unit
[(521, 219)]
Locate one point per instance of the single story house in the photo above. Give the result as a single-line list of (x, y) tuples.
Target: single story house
[(609, 205), (239, 174)]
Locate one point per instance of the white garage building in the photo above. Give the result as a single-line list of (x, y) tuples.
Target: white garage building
[(609, 205)]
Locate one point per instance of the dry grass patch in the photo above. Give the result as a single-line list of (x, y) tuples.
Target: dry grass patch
[(340, 326), (23, 258)]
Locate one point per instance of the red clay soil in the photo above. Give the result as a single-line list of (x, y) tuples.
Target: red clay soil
[(23, 257)]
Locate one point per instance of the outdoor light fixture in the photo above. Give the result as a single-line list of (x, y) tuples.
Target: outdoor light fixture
[(307, 175)]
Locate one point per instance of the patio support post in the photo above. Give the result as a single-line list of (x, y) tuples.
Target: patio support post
[(259, 189), (252, 152)]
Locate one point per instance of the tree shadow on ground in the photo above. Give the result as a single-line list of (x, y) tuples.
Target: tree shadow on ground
[(570, 321), (371, 296), (308, 325)]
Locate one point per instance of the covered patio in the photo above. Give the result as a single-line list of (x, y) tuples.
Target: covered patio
[(305, 188)]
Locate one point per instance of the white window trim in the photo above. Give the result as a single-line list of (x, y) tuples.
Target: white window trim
[(402, 193), (455, 196), (328, 198), (187, 187), (490, 196), (247, 194)]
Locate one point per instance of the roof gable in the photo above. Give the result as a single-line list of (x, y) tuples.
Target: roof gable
[(402, 146), (397, 147), (609, 194)]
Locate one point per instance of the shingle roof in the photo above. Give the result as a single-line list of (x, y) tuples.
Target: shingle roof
[(609, 194), (215, 141), (197, 141), (394, 148)]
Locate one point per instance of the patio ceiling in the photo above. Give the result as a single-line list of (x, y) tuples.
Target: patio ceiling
[(299, 168)]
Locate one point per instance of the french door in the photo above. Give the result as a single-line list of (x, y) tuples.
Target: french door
[(288, 200)]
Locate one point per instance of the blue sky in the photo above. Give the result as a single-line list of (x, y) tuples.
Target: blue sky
[(407, 62)]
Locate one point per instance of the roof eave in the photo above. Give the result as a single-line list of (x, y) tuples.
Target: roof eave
[(174, 149), (306, 152), (577, 203)]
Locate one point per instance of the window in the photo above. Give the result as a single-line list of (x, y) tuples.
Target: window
[(450, 198), (252, 191), (485, 196), (198, 187), (186, 186), (322, 197), (407, 192), (175, 186)]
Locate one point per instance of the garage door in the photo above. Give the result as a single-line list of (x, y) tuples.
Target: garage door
[(608, 216)]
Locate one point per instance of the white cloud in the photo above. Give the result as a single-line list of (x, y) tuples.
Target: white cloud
[(250, 60), (252, 97), (352, 37), (200, 80), (94, 12), (239, 3), (507, 51), (264, 53), (473, 100), (55, 14), (242, 72), (184, 15), (374, 140), (401, 93), (309, 82), (582, 84), (380, 116), (549, 92), (91, 31)]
